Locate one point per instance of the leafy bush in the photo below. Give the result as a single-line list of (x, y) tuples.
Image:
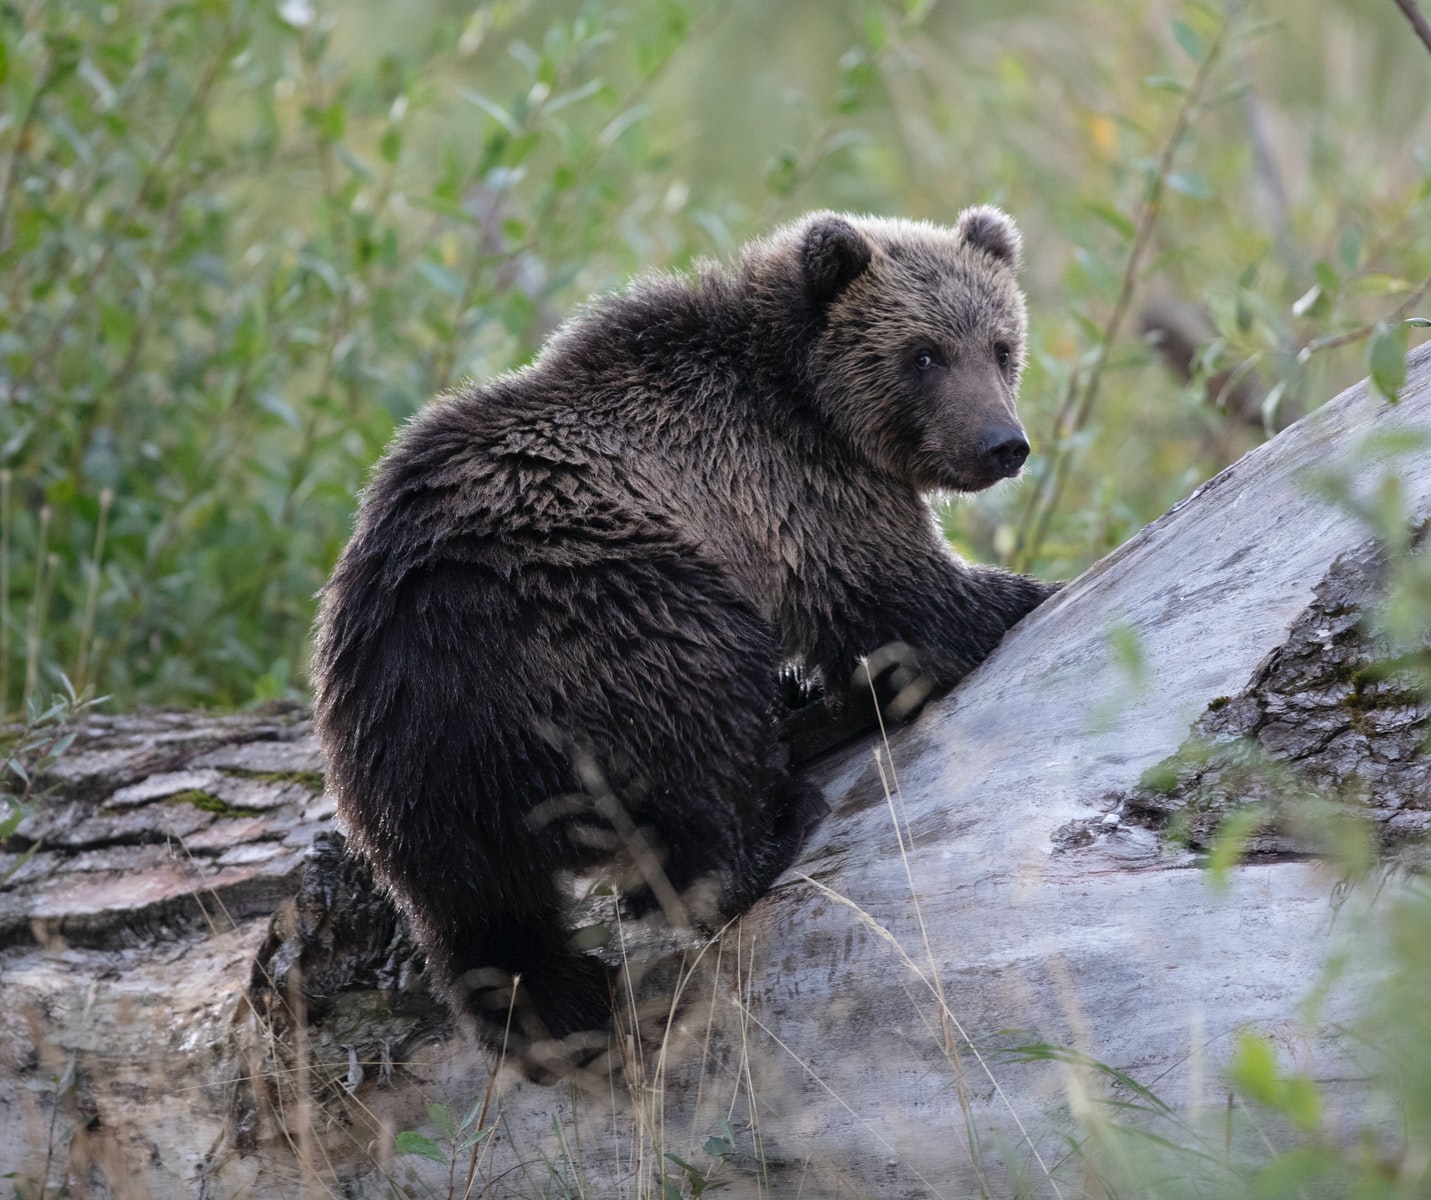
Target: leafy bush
[(232, 263), (240, 243)]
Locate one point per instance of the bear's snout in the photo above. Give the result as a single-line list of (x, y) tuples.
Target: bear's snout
[(1003, 450)]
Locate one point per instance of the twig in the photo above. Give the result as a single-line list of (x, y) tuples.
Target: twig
[(22, 139), (38, 600), (84, 291), (1040, 511), (91, 599), (1418, 22), (1361, 332)]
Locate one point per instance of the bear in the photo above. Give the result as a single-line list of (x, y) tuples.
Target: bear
[(555, 642)]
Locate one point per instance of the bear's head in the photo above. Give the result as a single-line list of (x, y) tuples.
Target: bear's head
[(920, 343)]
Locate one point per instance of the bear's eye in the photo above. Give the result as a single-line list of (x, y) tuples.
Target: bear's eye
[(1003, 356), (923, 360)]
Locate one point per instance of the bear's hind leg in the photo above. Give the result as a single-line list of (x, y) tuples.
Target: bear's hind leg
[(508, 960), (724, 812)]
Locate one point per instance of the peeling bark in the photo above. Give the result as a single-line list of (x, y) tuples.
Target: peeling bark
[(1333, 714)]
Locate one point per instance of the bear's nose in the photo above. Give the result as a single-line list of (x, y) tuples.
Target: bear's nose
[(1005, 449)]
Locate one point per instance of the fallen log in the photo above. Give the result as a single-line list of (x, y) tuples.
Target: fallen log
[(203, 996)]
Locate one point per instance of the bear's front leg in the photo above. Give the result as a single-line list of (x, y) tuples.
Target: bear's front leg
[(902, 639)]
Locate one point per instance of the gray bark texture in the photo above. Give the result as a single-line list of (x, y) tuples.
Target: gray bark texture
[(203, 995)]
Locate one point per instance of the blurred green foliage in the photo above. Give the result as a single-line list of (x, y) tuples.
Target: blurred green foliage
[(241, 242), (233, 261)]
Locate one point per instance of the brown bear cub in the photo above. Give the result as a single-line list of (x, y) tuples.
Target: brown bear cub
[(556, 638)]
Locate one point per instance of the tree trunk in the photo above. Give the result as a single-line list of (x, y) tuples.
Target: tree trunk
[(199, 998)]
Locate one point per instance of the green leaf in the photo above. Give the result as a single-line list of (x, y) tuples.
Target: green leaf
[(64, 57), (442, 1120), (574, 96), (1302, 1103), (693, 1176), (1187, 38), (1233, 91), (1110, 215), (1312, 303), (116, 323), (1165, 83), (1350, 249), (331, 122), (274, 403), (1242, 313), (518, 148), (1254, 1068), (492, 109), (1319, 1171), (1190, 183), (1376, 283), (1271, 403), (1254, 1073), (472, 1113), (415, 1144), (248, 343), (477, 1135), (1419, 322), (857, 73), (1091, 329), (874, 26), (1386, 359), (1128, 653), (1231, 841), (621, 123), (780, 172), (11, 814), (440, 277), (391, 145)]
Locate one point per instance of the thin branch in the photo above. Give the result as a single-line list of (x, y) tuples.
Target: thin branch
[(197, 104), (1418, 22), (1037, 516), (22, 138), (1361, 332)]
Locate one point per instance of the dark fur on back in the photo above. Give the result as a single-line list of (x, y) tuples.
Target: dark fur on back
[(557, 631)]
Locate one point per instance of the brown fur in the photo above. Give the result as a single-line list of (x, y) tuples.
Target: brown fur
[(558, 627)]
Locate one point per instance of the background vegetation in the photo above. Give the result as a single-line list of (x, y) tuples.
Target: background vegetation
[(240, 242)]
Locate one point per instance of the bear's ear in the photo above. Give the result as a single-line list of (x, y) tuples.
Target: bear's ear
[(994, 232), (835, 254)]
